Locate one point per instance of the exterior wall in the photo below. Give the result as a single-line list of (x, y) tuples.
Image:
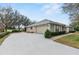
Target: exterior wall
[(55, 28), (31, 29), (68, 29), (71, 29), (52, 28), (43, 28), (39, 29)]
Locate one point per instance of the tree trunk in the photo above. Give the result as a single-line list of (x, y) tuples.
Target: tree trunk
[(19, 27)]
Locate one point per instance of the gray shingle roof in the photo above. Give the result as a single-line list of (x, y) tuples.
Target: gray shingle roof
[(45, 21)]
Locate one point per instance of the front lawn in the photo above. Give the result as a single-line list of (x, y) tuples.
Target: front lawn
[(70, 40), (9, 30)]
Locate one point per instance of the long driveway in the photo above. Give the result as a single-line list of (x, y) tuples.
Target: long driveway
[(30, 43)]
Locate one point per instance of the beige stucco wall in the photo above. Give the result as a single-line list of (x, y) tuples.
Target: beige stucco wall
[(69, 29), (57, 27), (39, 29), (43, 28), (52, 27), (31, 30)]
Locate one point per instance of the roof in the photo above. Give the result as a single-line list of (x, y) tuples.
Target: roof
[(45, 21)]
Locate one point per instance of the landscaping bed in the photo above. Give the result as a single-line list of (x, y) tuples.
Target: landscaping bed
[(70, 40), (49, 34)]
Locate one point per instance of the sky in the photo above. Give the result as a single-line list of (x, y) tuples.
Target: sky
[(41, 11)]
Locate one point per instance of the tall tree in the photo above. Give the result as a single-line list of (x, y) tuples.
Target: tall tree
[(12, 18), (72, 9), (6, 15)]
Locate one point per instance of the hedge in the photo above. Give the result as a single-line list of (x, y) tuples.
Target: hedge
[(15, 30), (49, 34), (57, 33), (72, 31), (4, 34)]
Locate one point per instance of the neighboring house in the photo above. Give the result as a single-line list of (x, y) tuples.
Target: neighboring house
[(42, 26), (2, 27), (69, 28)]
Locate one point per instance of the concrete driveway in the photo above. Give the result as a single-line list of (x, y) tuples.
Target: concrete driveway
[(30, 43)]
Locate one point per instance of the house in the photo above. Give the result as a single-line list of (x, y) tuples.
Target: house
[(42, 26), (2, 27), (69, 29)]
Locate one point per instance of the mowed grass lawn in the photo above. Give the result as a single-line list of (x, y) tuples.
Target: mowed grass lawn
[(70, 40)]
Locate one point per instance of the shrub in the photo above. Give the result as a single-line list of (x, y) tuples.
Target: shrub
[(4, 34), (48, 34), (15, 30), (76, 28), (54, 33), (71, 31), (62, 32), (57, 33)]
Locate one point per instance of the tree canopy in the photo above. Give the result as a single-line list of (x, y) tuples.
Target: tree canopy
[(11, 17), (72, 9)]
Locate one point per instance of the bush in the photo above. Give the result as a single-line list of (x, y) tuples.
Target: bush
[(71, 31), (76, 28), (62, 32), (58, 33), (4, 34), (15, 30), (47, 34)]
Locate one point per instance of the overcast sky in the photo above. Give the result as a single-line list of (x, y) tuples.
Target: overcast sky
[(38, 12)]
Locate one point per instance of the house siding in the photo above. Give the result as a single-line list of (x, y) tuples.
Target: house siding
[(55, 28), (31, 29), (68, 29), (39, 29), (42, 28)]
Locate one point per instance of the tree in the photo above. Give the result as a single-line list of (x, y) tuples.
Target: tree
[(12, 18), (72, 9), (6, 15)]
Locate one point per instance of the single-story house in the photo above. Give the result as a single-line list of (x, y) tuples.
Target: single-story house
[(42, 26), (2, 27), (69, 28)]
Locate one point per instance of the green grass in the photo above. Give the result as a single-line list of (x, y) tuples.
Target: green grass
[(70, 40), (9, 30), (2, 39), (72, 37)]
